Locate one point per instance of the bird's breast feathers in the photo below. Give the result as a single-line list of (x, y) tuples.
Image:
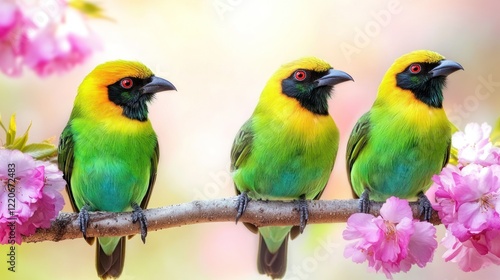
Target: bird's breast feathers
[(111, 163), (404, 113), (284, 115)]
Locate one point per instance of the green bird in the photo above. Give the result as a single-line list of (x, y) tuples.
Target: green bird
[(397, 146), (286, 150), (108, 151)]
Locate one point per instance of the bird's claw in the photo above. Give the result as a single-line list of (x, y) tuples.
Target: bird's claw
[(303, 211), (364, 202), (84, 219), (138, 216), (242, 205), (424, 207)]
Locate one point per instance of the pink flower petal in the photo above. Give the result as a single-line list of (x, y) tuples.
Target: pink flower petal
[(359, 225), (395, 209), (422, 243), (466, 255), (390, 251), (470, 215), (37, 193)]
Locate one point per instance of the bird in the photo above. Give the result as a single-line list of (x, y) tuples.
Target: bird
[(404, 139), (286, 150), (108, 151)]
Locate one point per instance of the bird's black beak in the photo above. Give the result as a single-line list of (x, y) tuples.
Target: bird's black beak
[(445, 68), (157, 84), (332, 78)]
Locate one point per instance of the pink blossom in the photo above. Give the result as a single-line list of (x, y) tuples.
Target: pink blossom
[(47, 36), (392, 242), (467, 198), (422, 244), (52, 202), (471, 254), (468, 195), (442, 195), (11, 35), (60, 46), (32, 201), (479, 197), (474, 145)]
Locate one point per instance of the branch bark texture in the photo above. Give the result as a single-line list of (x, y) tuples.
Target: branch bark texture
[(259, 213)]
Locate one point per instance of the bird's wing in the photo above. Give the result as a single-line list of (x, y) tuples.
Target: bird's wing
[(357, 141), (65, 161), (242, 147), (152, 175)]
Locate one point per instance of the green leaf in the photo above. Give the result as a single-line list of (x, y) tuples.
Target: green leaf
[(88, 8), (40, 150), (20, 142), (495, 135), (11, 133), (453, 156)]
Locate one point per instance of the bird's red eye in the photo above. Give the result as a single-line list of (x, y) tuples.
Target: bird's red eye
[(126, 83), (415, 68), (300, 75)]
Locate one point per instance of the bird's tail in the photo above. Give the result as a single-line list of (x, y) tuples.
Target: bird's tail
[(272, 264), (110, 266)]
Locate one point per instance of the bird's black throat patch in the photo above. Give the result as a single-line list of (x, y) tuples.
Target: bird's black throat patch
[(133, 102), (312, 98), (424, 87)]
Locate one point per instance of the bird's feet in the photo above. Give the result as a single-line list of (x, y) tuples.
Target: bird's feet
[(242, 205), (364, 202), (84, 219), (138, 216), (424, 207), (303, 211)]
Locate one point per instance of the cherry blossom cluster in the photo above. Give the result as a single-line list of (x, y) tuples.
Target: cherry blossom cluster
[(30, 195), (391, 242), (47, 36), (467, 198)]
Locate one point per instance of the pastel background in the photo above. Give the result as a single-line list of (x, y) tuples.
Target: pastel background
[(219, 54)]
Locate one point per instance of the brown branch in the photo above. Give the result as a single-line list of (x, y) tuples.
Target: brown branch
[(259, 213)]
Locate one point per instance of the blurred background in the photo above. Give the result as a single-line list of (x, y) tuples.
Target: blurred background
[(219, 54)]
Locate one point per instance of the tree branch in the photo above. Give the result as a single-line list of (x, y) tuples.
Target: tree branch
[(259, 213)]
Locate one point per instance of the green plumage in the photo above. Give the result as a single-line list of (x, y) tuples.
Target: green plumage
[(111, 170), (389, 157), (278, 164), (287, 149), (405, 138), (272, 162), (108, 171), (109, 152)]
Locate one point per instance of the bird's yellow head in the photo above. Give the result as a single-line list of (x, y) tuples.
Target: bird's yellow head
[(422, 74), (118, 89), (308, 81)]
